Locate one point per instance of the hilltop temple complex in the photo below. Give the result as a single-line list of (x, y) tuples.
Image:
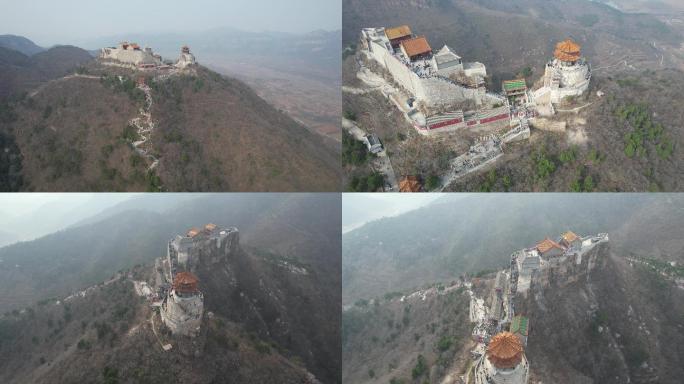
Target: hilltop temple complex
[(131, 55), (442, 93), (499, 333), (182, 302)]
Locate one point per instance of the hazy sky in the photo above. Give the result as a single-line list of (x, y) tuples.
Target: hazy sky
[(360, 208), (49, 22), (17, 204)]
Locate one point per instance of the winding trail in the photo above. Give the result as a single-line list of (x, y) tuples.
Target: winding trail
[(145, 125)]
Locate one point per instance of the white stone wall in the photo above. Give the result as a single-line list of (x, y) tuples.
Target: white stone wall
[(129, 56), (570, 81), (517, 375), (183, 315), (475, 69), (400, 72), (439, 92)]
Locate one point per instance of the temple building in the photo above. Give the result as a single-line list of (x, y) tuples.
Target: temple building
[(182, 308), (416, 48), (516, 91), (131, 55), (398, 34), (520, 327), (186, 58), (504, 362), (548, 248), (570, 240), (567, 75), (182, 304)]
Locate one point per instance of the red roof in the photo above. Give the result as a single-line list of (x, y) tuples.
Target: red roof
[(505, 350), (570, 236), (185, 282), (567, 50), (547, 245), (398, 32), (416, 46)]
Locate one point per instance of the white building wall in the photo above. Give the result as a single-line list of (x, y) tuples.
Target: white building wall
[(517, 375), (441, 92), (400, 72), (183, 315), (475, 69)]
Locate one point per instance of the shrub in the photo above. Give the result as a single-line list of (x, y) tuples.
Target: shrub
[(350, 115), (431, 182), (420, 368), (47, 111), (110, 375), (354, 152), (444, 343)]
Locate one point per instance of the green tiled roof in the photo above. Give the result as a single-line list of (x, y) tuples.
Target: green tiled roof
[(511, 85), (520, 325)]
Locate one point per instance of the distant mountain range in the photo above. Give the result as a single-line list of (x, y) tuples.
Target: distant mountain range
[(20, 72), (20, 44)]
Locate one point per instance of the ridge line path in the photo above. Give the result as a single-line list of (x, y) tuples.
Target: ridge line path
[(67, 77)]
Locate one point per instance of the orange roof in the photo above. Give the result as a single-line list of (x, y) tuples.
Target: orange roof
[(548, 244), (210, 227), (569, 236), (185, 282), (193, 232), (567, 50), (505, 350), (409, 184), (416, 46), (398, 32)]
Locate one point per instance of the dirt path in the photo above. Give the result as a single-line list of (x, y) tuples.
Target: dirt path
[(67, 77), (145, 125)]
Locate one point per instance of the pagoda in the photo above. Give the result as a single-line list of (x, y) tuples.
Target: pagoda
[(568, 52), (504, 361)]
